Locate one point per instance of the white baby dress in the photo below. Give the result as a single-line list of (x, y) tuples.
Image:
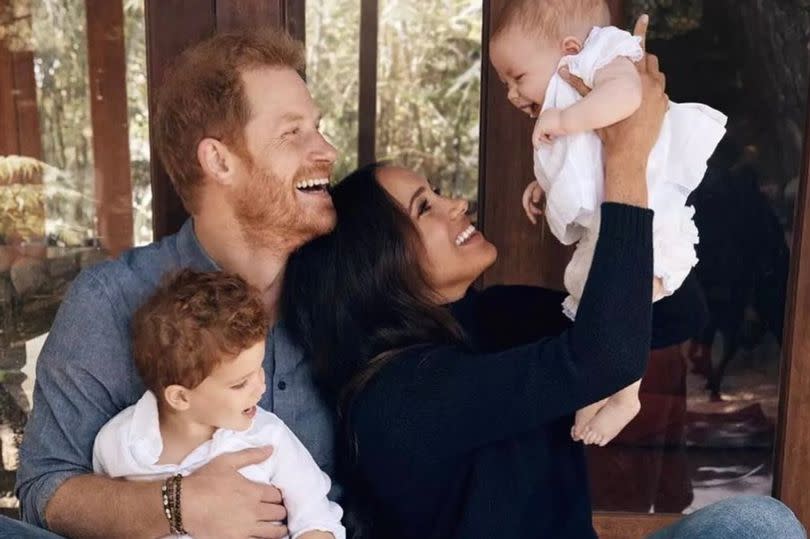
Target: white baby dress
[(570, 171)]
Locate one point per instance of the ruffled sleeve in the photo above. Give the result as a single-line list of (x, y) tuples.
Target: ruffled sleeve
[(602, 47)]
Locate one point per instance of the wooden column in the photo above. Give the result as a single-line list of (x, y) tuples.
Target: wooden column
[(29, 137), (9, 145), (792, 459), (106, 60), (173, 25), (19, 118), (616, 12), (367, 106), (527, 254)]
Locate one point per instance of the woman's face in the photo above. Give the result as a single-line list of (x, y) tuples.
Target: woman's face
[(455, 253)]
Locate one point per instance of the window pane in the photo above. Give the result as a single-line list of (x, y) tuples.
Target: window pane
[(51, 222), (332, 40), (428, 89), (706, 430), (138, 107)]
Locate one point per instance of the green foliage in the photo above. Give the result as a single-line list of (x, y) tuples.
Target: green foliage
[(428, 84), (59, 41)]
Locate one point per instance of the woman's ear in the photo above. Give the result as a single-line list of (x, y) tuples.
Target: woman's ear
[(216, 160), (570, 45), (177, 397)]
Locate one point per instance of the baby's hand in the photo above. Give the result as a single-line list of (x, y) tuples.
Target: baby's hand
[(531, 201), (548, 126)]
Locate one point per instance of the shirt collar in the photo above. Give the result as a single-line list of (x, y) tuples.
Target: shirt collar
[(144, 437), (192, 254), (146, 442)]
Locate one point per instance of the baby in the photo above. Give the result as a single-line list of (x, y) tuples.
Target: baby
[(531, 40), (199, 347)]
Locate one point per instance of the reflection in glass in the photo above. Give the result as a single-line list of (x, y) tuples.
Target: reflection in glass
[(709, 407), (48, 222)]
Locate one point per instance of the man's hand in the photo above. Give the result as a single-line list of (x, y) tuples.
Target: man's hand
[(532, 198), (220, 503)]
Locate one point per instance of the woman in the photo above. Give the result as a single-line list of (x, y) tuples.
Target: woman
[(455, 422)]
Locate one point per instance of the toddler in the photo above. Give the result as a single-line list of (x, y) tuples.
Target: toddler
[(533, 39), (199, 347)]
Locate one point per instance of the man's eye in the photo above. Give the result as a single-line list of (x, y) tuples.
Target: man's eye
[(293, 131), (519, 77)]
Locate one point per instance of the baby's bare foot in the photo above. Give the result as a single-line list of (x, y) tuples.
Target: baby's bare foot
[(583, 417), (610, 420)]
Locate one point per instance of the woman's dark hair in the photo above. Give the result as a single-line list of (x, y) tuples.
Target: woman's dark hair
[(356, 297)]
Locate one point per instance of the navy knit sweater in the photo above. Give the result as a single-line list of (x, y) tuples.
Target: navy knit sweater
[(454, 443)]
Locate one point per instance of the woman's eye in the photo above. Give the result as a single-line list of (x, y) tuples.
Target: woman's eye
[(519, 77), (292, 132), (240, 385), (424, 207)]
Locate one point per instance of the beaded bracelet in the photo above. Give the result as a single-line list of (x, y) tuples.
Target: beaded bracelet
[(168, 501), (178, 516), (170, 493)]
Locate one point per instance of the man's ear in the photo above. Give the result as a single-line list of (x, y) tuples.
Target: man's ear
[(177, 397), (216, 160), (570, 45)]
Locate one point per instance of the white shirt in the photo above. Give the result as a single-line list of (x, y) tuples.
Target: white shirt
[(130, 444), (571, 169)]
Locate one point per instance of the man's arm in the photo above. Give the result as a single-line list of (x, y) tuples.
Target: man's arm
[(82, 380), (84, 375)]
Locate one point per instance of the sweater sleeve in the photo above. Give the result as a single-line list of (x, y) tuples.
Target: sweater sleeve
[(450, 401)]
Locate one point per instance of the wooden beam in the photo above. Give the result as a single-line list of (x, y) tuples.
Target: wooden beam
[(792, 464), (106, 60), (367, 107), (29, 137), (630, 525), (171, 26), (617, 17), (527, 254), (295, 19), (9, 144), (235, 15)]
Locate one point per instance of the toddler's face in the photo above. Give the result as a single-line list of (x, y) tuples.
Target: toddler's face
[(228, 397), (525, 63)]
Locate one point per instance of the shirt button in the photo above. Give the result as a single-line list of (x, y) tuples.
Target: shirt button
[(282, 385)]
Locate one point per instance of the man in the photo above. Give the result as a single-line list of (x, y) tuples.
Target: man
[(237, 130)]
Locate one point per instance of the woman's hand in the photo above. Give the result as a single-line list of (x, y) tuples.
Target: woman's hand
[(627, 144)]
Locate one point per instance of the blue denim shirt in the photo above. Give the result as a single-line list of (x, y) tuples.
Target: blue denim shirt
[(86, 374)]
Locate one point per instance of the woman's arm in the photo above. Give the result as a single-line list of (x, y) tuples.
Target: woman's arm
[(445, 401)]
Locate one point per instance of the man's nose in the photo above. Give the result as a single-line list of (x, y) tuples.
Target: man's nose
[(325, 151)]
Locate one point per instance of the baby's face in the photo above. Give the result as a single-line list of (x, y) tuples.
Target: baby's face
[(525, 63)]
